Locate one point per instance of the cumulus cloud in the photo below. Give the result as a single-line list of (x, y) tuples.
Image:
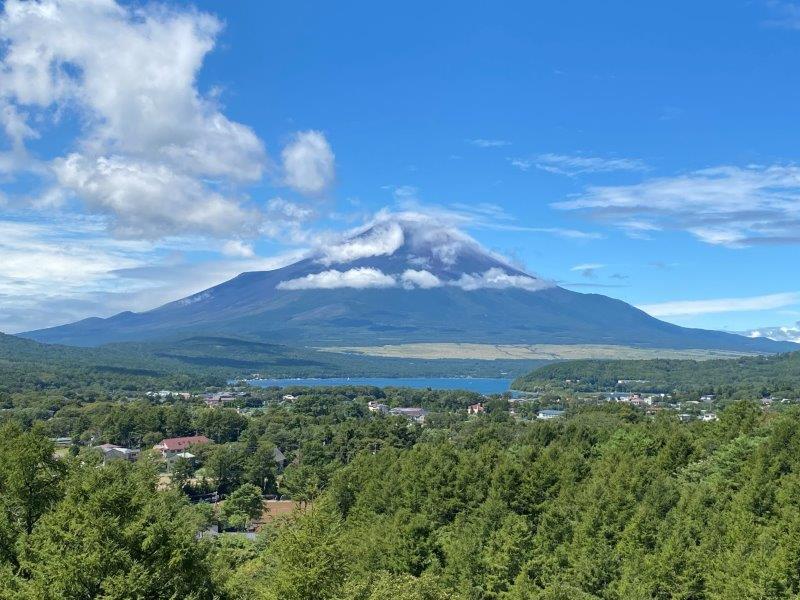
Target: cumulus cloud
[(412, 278), (358, 278), (496, 278), (729, 206), (151, 200), (150, 140), (367, 277), (721, 305), (572, 165), (308, 163), (380, 239)]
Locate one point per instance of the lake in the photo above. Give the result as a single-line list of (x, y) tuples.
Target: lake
[(481, 385)]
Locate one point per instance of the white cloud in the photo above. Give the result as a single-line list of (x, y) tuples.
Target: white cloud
[(730, 206), (368, 277), (358, 278), (150, 141), (238, 248), (135, 195), (587, 269), (781, 334), (378, 240), (405, 193), (287, 221), (308, 163), (572, 165), (48, 259), (412, 278), (721, 305), (487, 216), (64, 268), (489, 143), (495, 278)]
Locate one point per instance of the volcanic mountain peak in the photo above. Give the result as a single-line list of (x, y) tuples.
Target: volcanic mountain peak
[(403, 279), (411, 251)]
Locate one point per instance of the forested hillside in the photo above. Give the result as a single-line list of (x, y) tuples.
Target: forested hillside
[(744, 377), (607, 503), (202, 361)]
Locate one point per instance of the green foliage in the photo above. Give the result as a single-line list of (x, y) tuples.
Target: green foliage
[(30, 478), (738, 378), (243, 505), (306, 560), (606, 503), (97, 532)]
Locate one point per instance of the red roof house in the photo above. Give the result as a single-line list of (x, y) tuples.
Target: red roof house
[(172, 446)]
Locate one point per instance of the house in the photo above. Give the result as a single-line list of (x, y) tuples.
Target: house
[(476, 409), (218, 398), (113, 452), (377, 407), (708, 417), (171, 447), (708, 398), (548, 414), (415, 414)]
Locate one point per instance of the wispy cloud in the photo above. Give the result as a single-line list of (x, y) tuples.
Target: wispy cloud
[(588, 269), (489, 143), (721, 305), (67, 268), (493, 217), (785, 15), (577, 164), (729, 206)]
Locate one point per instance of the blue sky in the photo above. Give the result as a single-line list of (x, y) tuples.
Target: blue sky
[(639, 150)]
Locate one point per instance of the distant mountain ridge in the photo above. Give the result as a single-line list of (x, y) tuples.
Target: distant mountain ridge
[(401, 280)]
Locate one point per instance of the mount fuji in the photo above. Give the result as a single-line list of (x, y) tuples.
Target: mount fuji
[(400, 280)]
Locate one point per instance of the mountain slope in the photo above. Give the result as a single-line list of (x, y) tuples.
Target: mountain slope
[(197, 362), (399, 281)]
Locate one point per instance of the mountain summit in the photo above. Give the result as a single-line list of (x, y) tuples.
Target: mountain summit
[(402, 279)]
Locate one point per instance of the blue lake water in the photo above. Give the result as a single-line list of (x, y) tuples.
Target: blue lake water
[(481, 385)]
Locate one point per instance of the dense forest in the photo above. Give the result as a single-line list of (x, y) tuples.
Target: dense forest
[(607, 502), (745, 377)]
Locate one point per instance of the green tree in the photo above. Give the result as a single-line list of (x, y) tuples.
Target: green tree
[(30, 476), (307, 560), (243, 505), (114, 536), (182, 471)]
